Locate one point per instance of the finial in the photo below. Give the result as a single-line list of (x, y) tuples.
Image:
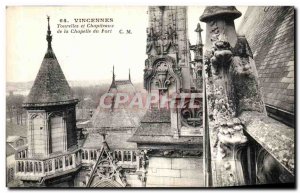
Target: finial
[(114, 73), (199, 30), (129, 75), (49, 53), (49, 36)]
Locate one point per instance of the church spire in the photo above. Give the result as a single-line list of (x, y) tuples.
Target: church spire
[(113, 84), (129, 76), (50, 53)]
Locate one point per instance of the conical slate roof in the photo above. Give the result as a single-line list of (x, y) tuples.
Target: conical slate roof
[(50, 86)]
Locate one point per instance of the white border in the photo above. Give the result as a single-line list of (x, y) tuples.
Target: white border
[(5, 3)]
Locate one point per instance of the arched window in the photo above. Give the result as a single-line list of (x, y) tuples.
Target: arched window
[(82, 155)]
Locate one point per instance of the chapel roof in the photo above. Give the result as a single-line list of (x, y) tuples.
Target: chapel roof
[(50, 86)]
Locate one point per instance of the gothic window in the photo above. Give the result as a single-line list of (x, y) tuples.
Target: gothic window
[(95, 153), (38, 135), (82, 155), (192, 116), (56, 133)]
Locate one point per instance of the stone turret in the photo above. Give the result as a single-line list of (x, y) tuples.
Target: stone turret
[(50, 107)]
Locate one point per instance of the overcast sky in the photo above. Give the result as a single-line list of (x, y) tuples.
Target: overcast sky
[(85, 56)]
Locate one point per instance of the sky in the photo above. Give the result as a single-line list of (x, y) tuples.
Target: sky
[(83, 56)]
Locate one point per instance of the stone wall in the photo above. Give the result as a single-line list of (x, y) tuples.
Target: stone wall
[(175, 172)]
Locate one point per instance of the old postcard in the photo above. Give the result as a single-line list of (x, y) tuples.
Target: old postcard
[(150, 96)]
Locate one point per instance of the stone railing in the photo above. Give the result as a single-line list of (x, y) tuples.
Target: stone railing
[(126, 158), (38, 168)]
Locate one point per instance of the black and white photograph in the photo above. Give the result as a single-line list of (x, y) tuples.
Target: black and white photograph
[(150, 97)]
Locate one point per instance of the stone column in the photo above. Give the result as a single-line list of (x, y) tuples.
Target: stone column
[(225, 129), (53, 164), (47, 136), (43, 167), (65, 132), (63, 163)]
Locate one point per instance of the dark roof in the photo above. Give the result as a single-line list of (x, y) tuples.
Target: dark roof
[(122, 86), (50, 86), (116, 118), (273, 48), (156, 115)]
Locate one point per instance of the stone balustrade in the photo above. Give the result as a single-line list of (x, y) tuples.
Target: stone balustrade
[(36, 168)]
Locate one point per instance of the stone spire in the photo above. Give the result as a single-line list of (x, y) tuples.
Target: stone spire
[(129, 77), (49, 53), (50, 86), (113, 84)]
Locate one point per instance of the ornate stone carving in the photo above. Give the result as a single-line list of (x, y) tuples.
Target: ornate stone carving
[(161, 72), (192, 117), (106, 168), (226, 60)]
